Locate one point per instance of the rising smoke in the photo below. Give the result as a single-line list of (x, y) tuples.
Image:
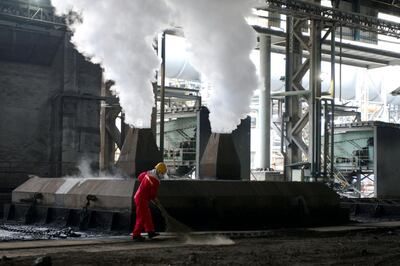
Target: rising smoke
[(220, 45), (86, 171), (119, 35)]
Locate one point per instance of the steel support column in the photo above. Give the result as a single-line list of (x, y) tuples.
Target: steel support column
[(108, 136), (162, 94), (265, 101), (293, 111), (154, 111), (302, 109), (314, 102), (57, 116), (333, 94)]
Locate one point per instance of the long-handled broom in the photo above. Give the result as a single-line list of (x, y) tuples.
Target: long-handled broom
[(172, 224)]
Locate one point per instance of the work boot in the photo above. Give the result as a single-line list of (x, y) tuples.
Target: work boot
[(152, 234), (138, 238)]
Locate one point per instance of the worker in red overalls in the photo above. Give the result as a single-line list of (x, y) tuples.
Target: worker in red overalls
[(147, 191)]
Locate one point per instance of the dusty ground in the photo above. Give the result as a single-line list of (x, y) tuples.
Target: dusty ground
[(372, 247)]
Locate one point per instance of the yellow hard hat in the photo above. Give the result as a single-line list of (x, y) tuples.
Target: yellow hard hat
[(161, 168)]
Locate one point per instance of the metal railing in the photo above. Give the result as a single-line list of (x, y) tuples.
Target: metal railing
[(178, 157), (346, 188), (31, 11)]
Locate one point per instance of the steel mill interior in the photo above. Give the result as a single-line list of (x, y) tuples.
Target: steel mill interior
[(212, 132)]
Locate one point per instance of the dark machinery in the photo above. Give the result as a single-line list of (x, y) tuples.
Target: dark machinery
[(220, 159), (200, 204), (223, 203)]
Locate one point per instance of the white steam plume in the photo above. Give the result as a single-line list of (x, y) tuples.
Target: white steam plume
[(221, 42), (119, 36)]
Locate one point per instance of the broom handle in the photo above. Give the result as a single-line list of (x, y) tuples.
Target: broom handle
[(158, 204), (163, 211)]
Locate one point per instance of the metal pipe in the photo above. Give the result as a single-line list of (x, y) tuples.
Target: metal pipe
[(154, 110), (198, 139), (333, 94), (162, 94), (265, 101), (326, 138), (340, 62), (282, 130), (356, 8), (290, 93), (283, 144), (123, 128), (315, 102), (332, 126), (333, 60), (288, 87)]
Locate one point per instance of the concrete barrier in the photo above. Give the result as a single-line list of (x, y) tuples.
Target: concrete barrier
[(111, 194)]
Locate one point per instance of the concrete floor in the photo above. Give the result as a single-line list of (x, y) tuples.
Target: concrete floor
[(354, 244)]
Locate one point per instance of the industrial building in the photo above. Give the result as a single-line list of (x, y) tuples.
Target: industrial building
[(309, 176)]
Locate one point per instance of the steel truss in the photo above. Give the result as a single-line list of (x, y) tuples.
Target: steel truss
[(307, 10), (297, 120), (298, 152)]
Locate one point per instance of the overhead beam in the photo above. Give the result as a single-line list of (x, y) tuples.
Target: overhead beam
[(302, 9), (364, 61), (326, 58), (386, 6), (290, 93), (349, 46)]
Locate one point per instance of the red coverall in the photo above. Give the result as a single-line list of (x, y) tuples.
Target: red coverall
[(147, 191)]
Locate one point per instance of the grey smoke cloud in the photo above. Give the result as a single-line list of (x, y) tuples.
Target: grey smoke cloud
[(119, 36)]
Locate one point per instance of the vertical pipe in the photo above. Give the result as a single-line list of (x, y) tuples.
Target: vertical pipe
[(282, 117), (289, 56), (332, 126), (356, 8), (333, 94), (123, 129), (198, 139), (288, 157), (154, 110), (326, 138), (333, 62), (340, 62), (107, 144), (315, 102), (162, 95), (103, 130), (265, 101)]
